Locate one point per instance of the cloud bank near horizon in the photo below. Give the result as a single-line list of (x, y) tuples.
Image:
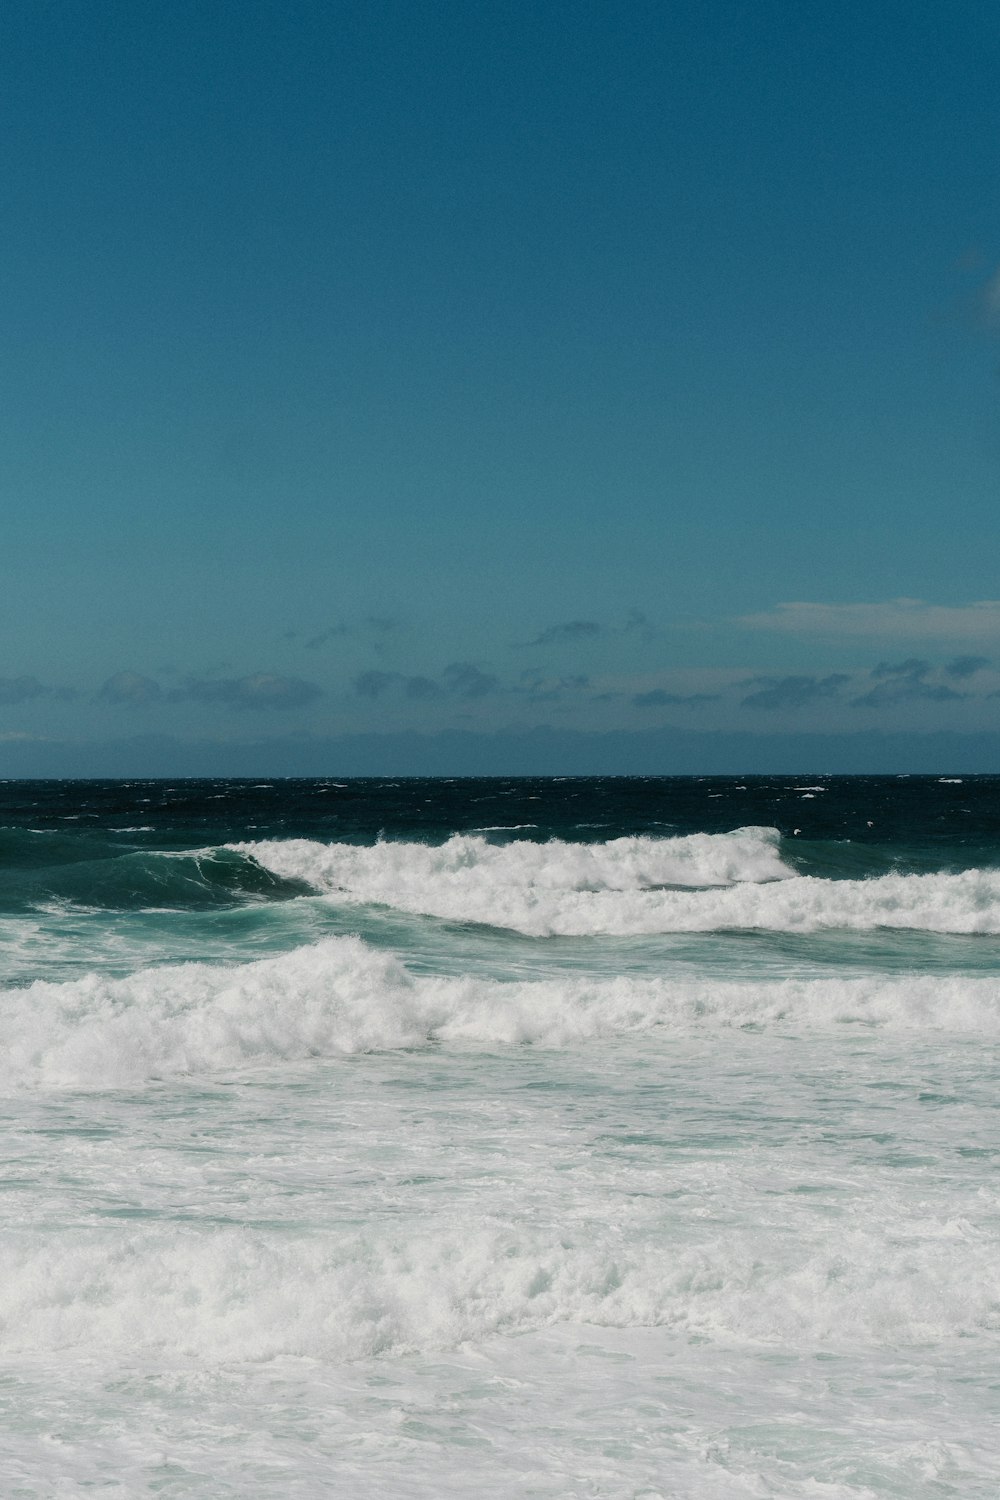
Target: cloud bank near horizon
[(907, 619)]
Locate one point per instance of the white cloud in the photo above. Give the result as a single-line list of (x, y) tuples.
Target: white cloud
[(898, 619)]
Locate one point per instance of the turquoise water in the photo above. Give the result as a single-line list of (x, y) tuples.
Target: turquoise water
[(559, 1138)]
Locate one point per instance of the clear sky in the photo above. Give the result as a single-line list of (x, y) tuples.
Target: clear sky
[(404, 368)]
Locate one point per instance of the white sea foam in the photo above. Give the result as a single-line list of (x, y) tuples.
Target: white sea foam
[(238, 1293), (629, 886), (340, 997), (468, 861)]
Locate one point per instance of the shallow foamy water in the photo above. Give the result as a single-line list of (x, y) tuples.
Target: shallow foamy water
[(681, 1260), (331, 1188)]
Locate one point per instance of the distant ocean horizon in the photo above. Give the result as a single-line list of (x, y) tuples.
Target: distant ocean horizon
[(544, 750), (599, 1136)]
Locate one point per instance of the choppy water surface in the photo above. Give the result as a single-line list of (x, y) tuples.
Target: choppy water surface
[(618, 1138)]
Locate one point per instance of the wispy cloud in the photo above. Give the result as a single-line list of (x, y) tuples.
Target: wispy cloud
[(466, 679), (904, 682), (537, 687), (332, 632), (129, 689), (568, 631), (378, 626), (638, 624), (913, 666), (463, 679), (966, 666), (22, 689), (259, 690), (775, 693), (373, 684), (659, 698), (422, 687), (572, 632), (913, 619)]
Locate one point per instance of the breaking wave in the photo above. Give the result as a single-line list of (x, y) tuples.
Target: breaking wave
[(631, 886), (340, 996)]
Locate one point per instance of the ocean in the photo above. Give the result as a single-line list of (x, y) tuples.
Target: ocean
[(618, 1137)]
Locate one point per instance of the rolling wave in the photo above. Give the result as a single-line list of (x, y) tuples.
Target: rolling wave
[(746, 879), (468, 861), (340, 997), (136, 879), (632, 886)]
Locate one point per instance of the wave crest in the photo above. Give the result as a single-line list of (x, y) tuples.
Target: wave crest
[(631, 886), (340, 997)]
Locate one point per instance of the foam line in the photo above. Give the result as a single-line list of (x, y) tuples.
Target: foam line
[(340, 996)]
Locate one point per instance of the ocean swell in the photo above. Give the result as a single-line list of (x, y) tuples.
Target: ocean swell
[(139, 879)]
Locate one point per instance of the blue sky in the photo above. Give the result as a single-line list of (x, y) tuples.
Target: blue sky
[(388, 369)]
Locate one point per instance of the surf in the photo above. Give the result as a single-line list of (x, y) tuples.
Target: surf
[(341, 997), (701, 883)]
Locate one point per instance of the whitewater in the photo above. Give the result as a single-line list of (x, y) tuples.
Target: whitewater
[(568, 1137)]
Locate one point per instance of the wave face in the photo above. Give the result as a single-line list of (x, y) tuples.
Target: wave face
[(578, 1136), (106, 876), (628, 886)]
